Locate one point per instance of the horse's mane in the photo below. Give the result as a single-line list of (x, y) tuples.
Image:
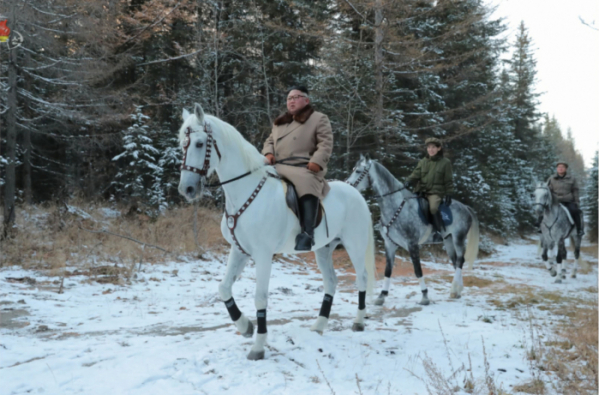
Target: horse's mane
[(385, 174), (250, 156)]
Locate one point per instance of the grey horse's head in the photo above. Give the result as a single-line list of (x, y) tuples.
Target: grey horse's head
[(359, 178), (195, 143), (542, 198)]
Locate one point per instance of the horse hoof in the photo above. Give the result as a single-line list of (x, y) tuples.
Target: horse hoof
[(379, 301), (250, 331), (558, 281), (553, 273), (424, 302), (573, 275), (357, 327), (318, 331), (256, 355), (454, 295)]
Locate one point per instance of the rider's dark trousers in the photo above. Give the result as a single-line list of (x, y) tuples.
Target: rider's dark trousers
[(575, 212)]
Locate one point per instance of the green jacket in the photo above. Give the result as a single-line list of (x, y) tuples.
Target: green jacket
[(434, 176)]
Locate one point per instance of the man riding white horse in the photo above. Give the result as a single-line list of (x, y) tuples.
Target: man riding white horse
[(299, 147), (565, 188)]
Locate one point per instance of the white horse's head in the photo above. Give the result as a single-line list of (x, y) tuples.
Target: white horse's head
[(199, 153), (359, 177), (543, 198)]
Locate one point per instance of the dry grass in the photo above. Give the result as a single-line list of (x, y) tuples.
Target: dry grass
[(590, 250), (51, 237), (573, 355)]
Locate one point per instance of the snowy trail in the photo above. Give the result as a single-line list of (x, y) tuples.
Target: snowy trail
[(168, 332)]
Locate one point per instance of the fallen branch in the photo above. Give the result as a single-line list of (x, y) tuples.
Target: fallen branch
[(124, 237)]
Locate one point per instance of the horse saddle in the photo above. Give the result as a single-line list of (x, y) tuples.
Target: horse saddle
[(425, 215), (568, 214), (293, 202)]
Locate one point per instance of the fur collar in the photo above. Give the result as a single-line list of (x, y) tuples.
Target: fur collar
[(300, 117)]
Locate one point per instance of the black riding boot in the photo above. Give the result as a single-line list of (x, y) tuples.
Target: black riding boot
[(309, 209), (578, 223), (438, 227)]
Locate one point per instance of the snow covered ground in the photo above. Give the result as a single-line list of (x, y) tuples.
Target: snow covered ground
[(168, 332)]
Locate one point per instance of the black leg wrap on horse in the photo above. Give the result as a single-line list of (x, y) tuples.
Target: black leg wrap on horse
[(386, 293), (325, 309), (233, 309), (261, 315), (425, 292), (388, 270), (361, 300)]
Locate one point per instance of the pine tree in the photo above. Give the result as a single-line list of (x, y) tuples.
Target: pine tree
[(139, 179), (591, 200), (525, 99)]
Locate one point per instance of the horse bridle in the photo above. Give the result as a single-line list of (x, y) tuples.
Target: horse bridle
[(545, 206), (209, 142), (365, 173)]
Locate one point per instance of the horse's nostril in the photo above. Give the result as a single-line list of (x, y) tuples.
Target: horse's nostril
[(190, 190)]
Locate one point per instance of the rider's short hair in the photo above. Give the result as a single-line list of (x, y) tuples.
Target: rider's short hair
[(300, 88)]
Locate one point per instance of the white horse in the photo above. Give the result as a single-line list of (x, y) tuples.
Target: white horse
[(267, 225), (555, 229)]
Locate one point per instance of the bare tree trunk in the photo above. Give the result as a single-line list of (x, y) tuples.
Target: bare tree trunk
[(216, 40), (11, 136), (27, 146), (378, 63)]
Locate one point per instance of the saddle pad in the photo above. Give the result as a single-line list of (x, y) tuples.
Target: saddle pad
[(446, 214), (570, 219)]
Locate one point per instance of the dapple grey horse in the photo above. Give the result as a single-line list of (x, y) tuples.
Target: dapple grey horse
[(556, 227), (401, 226)]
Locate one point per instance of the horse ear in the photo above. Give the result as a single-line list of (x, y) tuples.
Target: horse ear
[(185, 115), (362, 157), (199, 112)]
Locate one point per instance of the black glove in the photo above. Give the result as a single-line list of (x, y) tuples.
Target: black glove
[(409, 184), (447, 200)]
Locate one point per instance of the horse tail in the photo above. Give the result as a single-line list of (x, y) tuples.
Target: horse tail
[(369, 260), (473, 239)]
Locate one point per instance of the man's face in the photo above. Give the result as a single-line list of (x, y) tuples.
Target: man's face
[(432, 149), (561, 169), (296, 100)]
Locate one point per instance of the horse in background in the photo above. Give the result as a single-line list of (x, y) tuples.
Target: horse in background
[(556, 227), (402, 226)]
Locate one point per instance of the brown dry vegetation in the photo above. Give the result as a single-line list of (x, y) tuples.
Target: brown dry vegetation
[(51, 237)]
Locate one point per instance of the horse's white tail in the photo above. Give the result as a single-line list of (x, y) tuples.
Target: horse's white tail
[(473, 239), (369, 261)]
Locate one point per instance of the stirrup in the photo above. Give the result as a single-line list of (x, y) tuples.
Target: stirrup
[(304, 242)]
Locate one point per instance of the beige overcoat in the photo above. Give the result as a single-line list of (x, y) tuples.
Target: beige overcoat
[(307, 141)]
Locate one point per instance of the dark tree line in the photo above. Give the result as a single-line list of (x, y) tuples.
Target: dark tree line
[(91, 100)]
